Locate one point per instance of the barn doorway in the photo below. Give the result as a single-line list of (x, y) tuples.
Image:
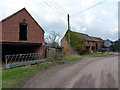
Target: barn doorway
[(96, 46)]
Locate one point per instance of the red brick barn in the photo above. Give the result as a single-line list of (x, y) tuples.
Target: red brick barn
[(92, 44), (67, 49), (22, 34)]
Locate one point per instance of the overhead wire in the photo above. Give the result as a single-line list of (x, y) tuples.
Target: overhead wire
[(54, 8), (53, 27), (74, 24), (60, 7), (87, 8), (57, 11), (54, 5)]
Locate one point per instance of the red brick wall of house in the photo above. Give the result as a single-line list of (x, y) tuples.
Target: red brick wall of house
[(10, 28)]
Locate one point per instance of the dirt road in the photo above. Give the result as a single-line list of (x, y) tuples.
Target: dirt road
[(99, 72)]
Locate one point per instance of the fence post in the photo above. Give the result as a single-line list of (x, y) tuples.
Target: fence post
[(6, 59)]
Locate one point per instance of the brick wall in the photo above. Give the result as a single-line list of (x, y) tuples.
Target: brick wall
[(100, 45), (66, 47), (10, 28)]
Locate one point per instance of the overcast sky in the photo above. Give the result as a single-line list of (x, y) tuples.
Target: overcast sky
[(100, 21)]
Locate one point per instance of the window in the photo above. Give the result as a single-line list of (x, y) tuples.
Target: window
[(23, 31)]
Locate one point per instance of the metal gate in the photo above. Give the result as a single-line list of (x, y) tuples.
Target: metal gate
[(23, 59)]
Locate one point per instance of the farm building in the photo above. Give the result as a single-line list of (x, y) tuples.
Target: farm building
[(91, 44), (108, 45), (21, 34)]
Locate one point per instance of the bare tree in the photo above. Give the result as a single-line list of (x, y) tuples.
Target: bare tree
[(53, 38)]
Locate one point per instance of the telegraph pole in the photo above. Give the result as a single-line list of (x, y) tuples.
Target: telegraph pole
[(68, 29)]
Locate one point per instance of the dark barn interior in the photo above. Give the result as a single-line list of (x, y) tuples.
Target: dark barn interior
[(19, 48)]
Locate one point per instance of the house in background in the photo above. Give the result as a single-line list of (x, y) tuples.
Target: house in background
[(21, 34), (108, 45), (92, 44)]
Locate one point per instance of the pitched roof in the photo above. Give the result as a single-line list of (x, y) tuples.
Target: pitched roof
[(18, 12), (109, 40), (90, 38), (13, 15)]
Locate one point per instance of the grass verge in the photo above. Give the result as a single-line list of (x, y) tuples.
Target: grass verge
[(97, 55), (72, 59), (0, 78), (76, 58), (12, 77)]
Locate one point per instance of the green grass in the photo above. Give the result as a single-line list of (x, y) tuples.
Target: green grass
[(76, 58), (0, 78), (116, 52), (13, 77), (73, 59), (97, 55)]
